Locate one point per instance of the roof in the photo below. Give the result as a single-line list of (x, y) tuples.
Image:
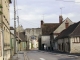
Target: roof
[(12, 33), (63, 23), (76, 32), (72, 30), (11, 28), (48, 28), (22, 36)]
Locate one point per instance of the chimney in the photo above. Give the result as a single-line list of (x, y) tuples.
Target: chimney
[(60, 19), (66, 24), (42, 22)]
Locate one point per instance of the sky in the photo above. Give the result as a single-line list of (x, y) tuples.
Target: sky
[(31, 12)]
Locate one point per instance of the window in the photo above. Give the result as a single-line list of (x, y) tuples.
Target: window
[(4, 28), (4, 16), (77, 40)]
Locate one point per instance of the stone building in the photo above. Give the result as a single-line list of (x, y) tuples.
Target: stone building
[(32, 34), (69, 39), (20, 28), (5, 27), (22, 45), (47, 29), (64, 25), (53, 29)]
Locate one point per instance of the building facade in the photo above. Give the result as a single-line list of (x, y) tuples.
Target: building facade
[(45, 43), (22, 45), (69, 39), (47, 29), (32, 34), (12, 41), (64, 25), (5, 27)]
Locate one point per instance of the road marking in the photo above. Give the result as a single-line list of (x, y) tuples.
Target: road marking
[(42, 59), (31, 59)]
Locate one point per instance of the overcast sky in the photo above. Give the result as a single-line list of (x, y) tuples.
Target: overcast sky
[(31, 11)]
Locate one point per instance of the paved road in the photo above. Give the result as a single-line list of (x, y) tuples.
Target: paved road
[(41, 55)]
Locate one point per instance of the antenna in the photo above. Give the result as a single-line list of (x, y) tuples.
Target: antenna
[(61, 9)]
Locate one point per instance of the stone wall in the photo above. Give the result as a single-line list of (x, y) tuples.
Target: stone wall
[(32, 33), (75, 46)]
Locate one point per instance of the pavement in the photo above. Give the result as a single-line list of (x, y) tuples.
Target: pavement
[(43, 55), (20, 56)]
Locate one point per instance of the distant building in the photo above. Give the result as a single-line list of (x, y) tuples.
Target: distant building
[(32, 34), (20, 28), (22, 44), (47, 28), (22, 35)]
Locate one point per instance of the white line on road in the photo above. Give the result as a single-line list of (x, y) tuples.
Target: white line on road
[(42, 59), (31, 59)]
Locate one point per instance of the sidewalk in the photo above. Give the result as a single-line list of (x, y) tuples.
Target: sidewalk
[(20, 56)]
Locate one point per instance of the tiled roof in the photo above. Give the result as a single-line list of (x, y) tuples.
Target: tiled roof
[(76, 32), (72, 30), (22, 36), (48, 28)]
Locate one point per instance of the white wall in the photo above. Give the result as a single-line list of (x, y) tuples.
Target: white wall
[(35, 43), (55, 46), (55, 36), (29, 44), (60, 41), (62, 26), (45, 40)]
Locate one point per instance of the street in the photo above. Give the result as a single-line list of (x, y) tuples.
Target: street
[(43, 55)]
